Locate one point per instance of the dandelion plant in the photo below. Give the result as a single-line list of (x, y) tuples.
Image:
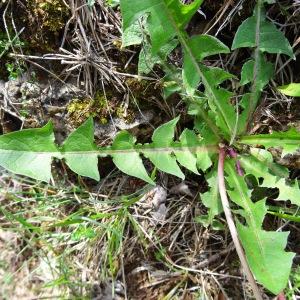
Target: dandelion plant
[(219, 144)]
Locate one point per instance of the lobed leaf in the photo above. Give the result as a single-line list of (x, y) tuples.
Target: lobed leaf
[(165, 161), (292, 89), (166, 21), (164, 134), (246, 106), (264, 74), (205, 157), (215, 75), (288, 141), (270, 39), (211, 199), (258, 33), (147, 60), (160, 12), (80, 151), (199, 47), (132, 35), (29, 152), (261, 165), (265, 253), (131, 162), (187, 158)]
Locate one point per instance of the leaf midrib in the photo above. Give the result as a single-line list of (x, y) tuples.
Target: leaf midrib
[(252, 224), (268, 138), (195, 63), (142, 149)]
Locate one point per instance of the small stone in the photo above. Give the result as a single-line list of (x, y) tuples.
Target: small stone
[(30, 90), (12, 90)]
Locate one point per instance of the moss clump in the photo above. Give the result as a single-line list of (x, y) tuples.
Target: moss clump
[(143, 89), (118, 44), (51, 14), (81, 109), (44, 21), (137, 87)]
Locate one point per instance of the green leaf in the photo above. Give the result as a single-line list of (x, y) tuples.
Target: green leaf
[(266, 157), (133, 35), (219, 98), (264, 74), (292, 89), (29, 152), (204, 160), (262, 35), (260, 164), (268, 261), (169, 88), (199, 47), (270, 39), (211, 199), (205, 157), (227, 124), (160, 12), (129, 162), (166, 162), (167, 20), (240, 194), (187, 158), (80, 152), (164, 134), (288, 141), (246, 107), (265, 253), (215, 75), (147, 60), (163, 137), (172, 81)]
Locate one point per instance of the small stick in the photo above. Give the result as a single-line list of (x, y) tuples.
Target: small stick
[(231, 225)]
